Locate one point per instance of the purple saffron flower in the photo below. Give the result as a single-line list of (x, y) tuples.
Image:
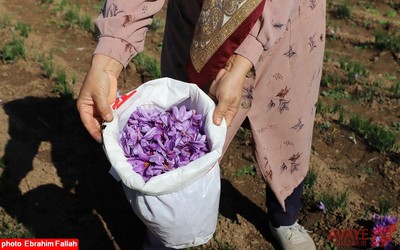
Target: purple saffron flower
[(181, 114), (156, 142), (321, 206)]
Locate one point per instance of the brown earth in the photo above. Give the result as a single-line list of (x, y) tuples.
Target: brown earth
[(54, 177)]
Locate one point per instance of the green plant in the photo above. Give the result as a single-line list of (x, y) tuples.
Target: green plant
[(309, 194), (86, 23), (61, 77), (323, 125), (311, 178), (155, 24), (62, 4), (355, 70), (243, 134), (334, 202), (23, 29), (13, 50), (369, 171), (381, 138), (330, 246), (224, 246), (47, 65), (74, 79), (391, 13), (369, 93), (342, 116), (330, 80), (245, 171), (387, 41), (71, 16), (145, 64), (62, 86), (396, 90), (327, 55), (5, 22), (366, 4), (74, 18), (336, 94), (384, 206), (368, 208), (342, 10), (322, 108), (396, 126), (9, 228)]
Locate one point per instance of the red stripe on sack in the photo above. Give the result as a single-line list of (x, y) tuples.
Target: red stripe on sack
[(123, 99)]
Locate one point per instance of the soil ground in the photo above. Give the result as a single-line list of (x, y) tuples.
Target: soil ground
[(54, 177)]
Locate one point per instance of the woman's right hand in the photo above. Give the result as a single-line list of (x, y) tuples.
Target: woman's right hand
[(227, 89), (98, 92)]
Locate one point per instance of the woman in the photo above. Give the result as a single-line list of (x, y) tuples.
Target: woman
[(260, 59)]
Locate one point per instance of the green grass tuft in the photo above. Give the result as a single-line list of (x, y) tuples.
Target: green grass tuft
[(11, 229), (384, 206), (342, 10), (23, 29), (387, 41), (245, 171), (13, 50), (147, 65), (47, 65), (62, 87), (379, 137), (335, 202)]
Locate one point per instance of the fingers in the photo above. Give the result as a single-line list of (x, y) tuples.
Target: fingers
[(219, 114), (97, 93), (226, 92), (89, 121), (103, 108), (94, 102), (225, 109)]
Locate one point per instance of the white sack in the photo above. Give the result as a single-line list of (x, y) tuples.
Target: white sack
[(181, 206)]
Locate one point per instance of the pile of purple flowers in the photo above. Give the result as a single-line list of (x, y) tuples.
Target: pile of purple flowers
[(383, 231), (156, 142)]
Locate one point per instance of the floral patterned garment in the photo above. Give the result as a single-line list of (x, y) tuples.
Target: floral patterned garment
[(286, 47)]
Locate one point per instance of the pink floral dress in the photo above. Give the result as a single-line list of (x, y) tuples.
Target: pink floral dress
[(286, 47)]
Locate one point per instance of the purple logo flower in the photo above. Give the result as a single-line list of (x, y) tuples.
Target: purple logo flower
[(383, 230)]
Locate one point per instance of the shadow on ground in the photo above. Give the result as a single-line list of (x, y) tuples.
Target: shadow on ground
[(90, 204)]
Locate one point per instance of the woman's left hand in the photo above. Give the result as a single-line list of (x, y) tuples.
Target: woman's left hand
[(227, 88)]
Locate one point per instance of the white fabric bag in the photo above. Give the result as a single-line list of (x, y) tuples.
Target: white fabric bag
[(179, 207)]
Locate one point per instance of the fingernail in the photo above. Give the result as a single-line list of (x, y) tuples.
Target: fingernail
[(108, 118), (218, 121)]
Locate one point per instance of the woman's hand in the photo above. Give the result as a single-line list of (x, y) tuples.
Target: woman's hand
[(227, 88), (97, 93)]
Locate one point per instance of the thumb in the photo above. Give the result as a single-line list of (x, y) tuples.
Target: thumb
[(220, 112)]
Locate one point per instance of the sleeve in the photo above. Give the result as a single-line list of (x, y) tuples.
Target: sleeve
[(122, 26), (269, 29)]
